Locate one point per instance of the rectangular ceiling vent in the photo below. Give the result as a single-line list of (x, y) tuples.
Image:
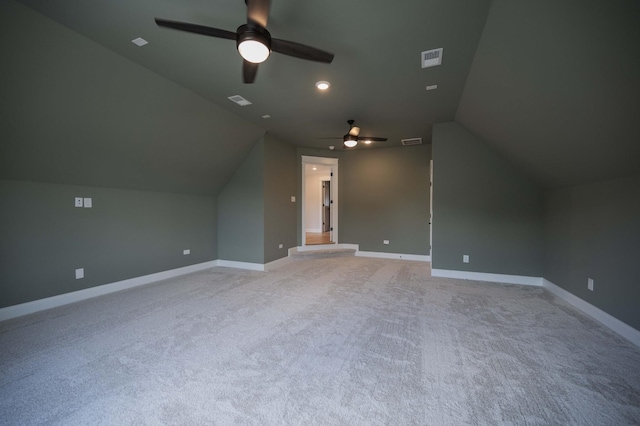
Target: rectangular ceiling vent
[(412, 141), (431, 58), (239, 100)]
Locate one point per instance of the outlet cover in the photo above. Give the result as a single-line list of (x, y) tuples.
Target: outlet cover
[(280, 246), (78, 202), (293, 198), (465, 258), (79, 273), (385, 241), (590, 283), (186, 252)]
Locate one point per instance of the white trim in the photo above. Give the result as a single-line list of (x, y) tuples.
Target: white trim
[(417, 257), (277, 263), (318, 247), (325, 161), (611, 322), (483, 276), (241, 265), (88, 293), (430, 209)]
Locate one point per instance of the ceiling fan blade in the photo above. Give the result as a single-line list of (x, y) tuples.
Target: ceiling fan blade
[(371, 138), (339, 138), (258, 11), (249, 71), (301, 51), (197, 29), (354, 131)]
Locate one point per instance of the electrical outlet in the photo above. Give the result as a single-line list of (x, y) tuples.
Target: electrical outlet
[(186, 251), (79, 273), (465, 258), (78, 202), (590, 283), (385, 241), (280, 246)]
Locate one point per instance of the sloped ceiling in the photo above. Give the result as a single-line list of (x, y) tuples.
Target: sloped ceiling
[(555, 86), (552, 85)]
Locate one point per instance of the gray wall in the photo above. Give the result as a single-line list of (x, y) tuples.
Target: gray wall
[(483, 207), (44, 238), (593, 231), (66, 99), (279, 185), (241, 211), (385, 196), (538, 96)]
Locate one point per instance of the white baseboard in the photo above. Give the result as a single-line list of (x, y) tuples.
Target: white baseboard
[(76, 296), (483, 276), (240, 265), (417, 257), (613, 323)]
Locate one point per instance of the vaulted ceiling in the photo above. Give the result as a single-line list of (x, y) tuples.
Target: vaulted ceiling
[(554, 86)]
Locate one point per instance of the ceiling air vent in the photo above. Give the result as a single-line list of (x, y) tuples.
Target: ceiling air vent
[(239, 100), (431, 58), (412, 141)]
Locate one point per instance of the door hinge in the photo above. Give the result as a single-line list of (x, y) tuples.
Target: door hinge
[(331, 228), (331, 173), (331, 201)]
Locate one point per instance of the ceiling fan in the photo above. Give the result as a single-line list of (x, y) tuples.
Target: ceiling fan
[(253, 40), (352, 138)]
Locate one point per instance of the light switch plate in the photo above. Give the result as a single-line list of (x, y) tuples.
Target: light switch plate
[(79, 273), (88, 203), (186, 252)]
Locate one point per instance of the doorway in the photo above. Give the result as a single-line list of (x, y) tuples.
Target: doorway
[(319, 201)]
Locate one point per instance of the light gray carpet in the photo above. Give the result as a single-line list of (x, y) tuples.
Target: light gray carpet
[(345, 341)]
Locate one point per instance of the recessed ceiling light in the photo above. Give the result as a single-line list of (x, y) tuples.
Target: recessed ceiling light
[(139, 41), (266, 116), (314, 168), (323, 85)]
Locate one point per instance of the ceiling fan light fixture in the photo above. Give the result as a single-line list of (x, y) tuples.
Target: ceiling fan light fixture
[(253, 51), (350, 141), (367, 142), (254, 43)]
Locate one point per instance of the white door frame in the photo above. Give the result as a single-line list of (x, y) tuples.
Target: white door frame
[(431, 208), (324, 161)]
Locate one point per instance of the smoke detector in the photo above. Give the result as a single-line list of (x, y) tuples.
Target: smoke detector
[(431, 58), (412, 141)]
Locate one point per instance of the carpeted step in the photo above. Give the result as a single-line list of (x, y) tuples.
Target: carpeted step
[(311, 254)]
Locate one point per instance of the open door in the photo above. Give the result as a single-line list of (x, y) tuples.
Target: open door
[(319, 202), (326, 206)]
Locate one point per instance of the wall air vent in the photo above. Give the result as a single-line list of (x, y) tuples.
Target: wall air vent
[(239, 100), (412, 141), (431, 58)]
